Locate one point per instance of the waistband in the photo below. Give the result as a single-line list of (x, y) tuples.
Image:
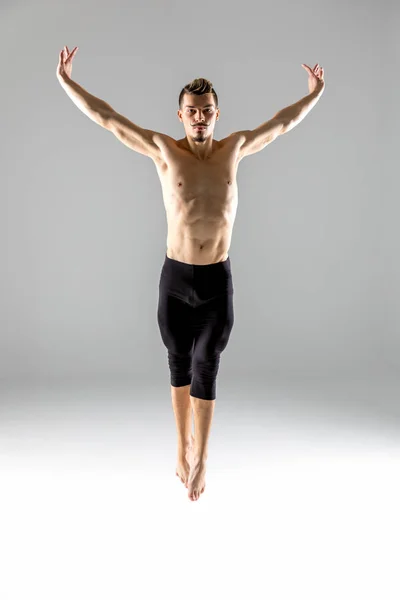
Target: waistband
[(225, 265)]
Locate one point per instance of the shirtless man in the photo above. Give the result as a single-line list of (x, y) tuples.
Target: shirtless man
[(198, 179)]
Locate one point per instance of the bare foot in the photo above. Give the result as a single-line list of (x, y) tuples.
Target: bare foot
[(184, 464), (196, 481)]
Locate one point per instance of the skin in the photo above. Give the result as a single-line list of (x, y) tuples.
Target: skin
[(198, 179), (200, 195)]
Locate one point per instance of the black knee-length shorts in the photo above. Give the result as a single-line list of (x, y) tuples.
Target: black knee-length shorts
[(195, 316)]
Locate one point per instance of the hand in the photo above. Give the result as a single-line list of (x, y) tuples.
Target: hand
[(315, 78), (65, 58)]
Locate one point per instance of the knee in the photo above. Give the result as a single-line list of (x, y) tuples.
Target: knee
[(206, 368), (204, 381), (180, 366)]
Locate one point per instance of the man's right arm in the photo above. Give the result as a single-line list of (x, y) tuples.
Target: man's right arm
[(141, 140), (95, 108)]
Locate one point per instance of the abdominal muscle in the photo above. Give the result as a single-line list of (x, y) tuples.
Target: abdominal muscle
[(187, 245)]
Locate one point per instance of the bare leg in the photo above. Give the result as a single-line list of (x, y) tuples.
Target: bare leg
[(183, 418), (203, 411)]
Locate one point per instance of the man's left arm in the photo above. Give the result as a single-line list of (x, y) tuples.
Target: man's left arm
[(292, 115), (254, 140)]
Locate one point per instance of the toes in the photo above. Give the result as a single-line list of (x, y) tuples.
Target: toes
[(181, 478), (195, 494)]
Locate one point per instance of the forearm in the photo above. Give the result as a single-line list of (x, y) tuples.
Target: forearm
[(293, 114), (95, 108)]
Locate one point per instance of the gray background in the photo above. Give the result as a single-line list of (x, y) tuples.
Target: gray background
[(304, 453), (315, 245)]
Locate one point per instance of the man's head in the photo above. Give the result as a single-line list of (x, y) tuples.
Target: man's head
[(198, 104)]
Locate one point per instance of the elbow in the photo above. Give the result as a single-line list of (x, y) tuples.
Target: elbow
[(286, 125)]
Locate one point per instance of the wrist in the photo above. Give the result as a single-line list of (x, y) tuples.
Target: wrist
[(63, 78), (318, 90)]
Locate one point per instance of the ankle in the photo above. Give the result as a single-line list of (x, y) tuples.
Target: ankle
[(183, 449), (199, 458)]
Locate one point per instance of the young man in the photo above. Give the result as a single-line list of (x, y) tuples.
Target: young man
[(198, 178)]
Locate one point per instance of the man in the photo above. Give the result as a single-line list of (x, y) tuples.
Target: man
[(198, 178)]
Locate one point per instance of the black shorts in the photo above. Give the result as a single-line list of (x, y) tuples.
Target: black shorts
[(195, 317)]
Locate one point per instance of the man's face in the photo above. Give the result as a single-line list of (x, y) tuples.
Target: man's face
[(198, 110)]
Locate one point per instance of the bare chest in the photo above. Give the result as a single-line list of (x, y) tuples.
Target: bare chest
[(194, 189), (200, 199)]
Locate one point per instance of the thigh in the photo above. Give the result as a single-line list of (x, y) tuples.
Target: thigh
[(175, 323), (212, 326)]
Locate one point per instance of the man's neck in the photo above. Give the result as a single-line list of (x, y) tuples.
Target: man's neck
[(202, 150)]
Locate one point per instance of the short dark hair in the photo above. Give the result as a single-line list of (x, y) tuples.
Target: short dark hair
[(198, 86)]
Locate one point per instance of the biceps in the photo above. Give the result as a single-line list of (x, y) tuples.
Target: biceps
[(256, 139), (134, 137)]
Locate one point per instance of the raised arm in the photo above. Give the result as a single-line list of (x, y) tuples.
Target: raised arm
[(93, 107), (141, 140), (254, 140)]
